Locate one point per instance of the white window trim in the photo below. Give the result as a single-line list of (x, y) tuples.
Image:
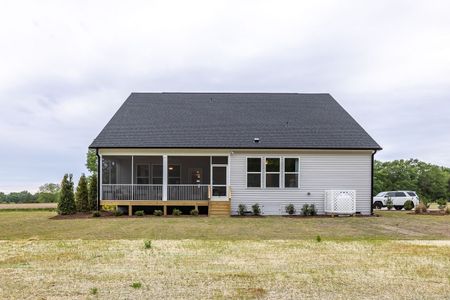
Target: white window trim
[(261, 160), (294, 173)]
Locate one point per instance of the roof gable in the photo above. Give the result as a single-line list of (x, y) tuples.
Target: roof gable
[(233, 120)]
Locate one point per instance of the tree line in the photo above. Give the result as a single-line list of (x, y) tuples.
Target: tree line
[(431, 182), (47, 193)]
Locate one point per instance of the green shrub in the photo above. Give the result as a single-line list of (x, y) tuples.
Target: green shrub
[(139, 213), (94, 291), (305, 209), (96, 214), (81, 195), (425, 201), (176, 212), (389, 203), (148, 244), (118, 213), (441, 202), (318, 238), (312, 211), (136, 285), (290, 209), (66, 203), (421, 208), (158, 212), (194, 212), (242, 208), (408, 205), (256, 208)]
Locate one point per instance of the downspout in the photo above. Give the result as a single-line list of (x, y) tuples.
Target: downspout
[(98, 179), (371, 183)]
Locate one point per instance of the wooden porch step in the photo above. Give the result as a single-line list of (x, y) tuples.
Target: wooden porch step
[(219, 208)]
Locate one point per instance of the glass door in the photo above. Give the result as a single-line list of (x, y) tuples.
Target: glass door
[(219, 182)]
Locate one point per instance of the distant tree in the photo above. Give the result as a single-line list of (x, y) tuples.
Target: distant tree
[(429, 181), (66, 204), (51, 188), (47, 197), (2, 197), (93, 192), (20, 197), (91, 161), (81, 196)]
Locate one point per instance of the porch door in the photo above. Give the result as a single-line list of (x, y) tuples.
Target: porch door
[(219, 182)]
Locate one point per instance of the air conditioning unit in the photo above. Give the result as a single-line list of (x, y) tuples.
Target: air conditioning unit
[(340, 202)]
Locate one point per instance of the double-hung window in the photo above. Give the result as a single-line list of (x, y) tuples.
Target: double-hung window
[(272, 172), (254, 172), (291, 172)]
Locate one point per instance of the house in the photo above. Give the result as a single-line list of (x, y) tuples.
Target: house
[(214, 151)]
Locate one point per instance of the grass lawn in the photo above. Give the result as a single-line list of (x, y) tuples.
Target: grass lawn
[(394, 256)]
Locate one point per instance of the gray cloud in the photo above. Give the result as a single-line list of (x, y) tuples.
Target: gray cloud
[(67, 67)]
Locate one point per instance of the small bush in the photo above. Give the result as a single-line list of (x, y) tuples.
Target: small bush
[(305, 209), (139, 213), (421, 208), (118, 213), (389, 203), (408, 205), (441, 202), (158, 212), (96, 214), (94, 291), (425, 201), (148, 244), (312, 211), (290, 209), (194, 212), (242, 208), (256, 208), (176, 212), (136, 285), (318, 239)]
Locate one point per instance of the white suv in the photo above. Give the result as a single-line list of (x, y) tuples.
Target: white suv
[(398, 199)]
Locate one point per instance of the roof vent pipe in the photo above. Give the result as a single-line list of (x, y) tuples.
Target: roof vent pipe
[(256, 140)]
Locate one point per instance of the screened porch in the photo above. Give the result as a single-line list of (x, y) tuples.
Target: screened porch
[(164, 177)]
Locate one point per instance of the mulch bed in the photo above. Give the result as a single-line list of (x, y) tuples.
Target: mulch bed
[(108, 214), (430, 213)]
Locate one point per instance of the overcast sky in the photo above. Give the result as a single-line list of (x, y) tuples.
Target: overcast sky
[(65, 68)]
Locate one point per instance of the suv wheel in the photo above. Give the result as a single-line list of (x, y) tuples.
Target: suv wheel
[(398, 207), (378, 205)]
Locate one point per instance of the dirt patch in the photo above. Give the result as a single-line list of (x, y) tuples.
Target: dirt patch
[(28, 206)]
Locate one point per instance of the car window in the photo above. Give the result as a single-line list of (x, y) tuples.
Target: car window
[(399, 194), (412, 194), (390, 194)]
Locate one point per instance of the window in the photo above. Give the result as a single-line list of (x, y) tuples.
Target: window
[(291, 172), (157, 174), (399, 194), (253, 172), (390, 194), (143, 174), (272, 172), (412, 194)]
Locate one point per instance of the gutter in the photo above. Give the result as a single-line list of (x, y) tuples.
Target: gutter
[(371, 183)]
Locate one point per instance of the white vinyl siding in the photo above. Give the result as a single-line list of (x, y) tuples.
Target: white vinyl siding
[(318, 171)]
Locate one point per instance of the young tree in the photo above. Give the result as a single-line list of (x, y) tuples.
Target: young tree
[(91, 161), (93, 192), (66, 204), (81, 196)]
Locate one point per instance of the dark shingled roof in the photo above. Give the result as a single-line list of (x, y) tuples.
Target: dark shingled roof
[(233, 120)]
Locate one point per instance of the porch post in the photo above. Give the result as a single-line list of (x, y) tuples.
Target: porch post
[(132, 177), (100, 181), (165, 180)]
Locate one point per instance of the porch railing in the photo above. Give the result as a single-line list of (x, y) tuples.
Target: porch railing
[(188, 192), (155, 191), (132, 192)]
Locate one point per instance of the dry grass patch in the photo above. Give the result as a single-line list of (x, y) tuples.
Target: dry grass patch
[(224, 269)]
